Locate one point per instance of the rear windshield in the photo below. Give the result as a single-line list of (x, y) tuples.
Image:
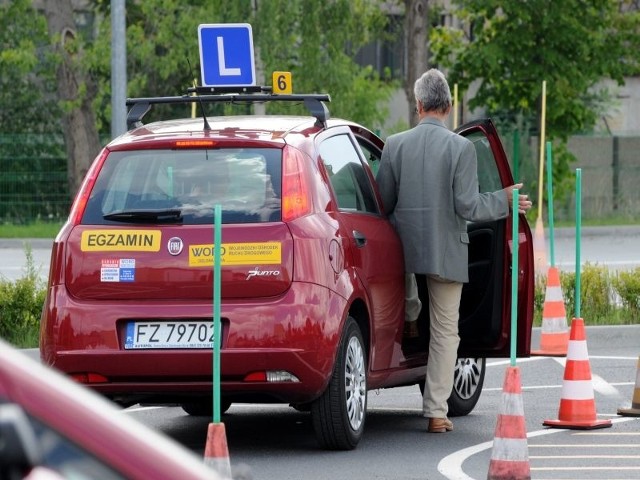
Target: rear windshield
[(183, 186)]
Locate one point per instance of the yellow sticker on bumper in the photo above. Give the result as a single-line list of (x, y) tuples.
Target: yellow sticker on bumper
[(121, 241), (269, 253)]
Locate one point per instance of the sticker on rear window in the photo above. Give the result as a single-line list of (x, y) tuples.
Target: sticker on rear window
[(121, 241), (268, 253), (118, 270)]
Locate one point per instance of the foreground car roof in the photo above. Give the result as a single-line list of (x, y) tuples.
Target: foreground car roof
[(95, 424)]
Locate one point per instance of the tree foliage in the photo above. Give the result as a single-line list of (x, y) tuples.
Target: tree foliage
[(313, 39), (54, 80), (508, 47), (515, 45), (27, 83), (31, 139)]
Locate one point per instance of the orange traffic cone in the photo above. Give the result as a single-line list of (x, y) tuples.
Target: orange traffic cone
[(634, 411), (577, 405), (510, 454), (216, 452), (554, 335)]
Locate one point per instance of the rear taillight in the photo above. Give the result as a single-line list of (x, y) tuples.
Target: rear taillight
[(82, 197), (295, 194)]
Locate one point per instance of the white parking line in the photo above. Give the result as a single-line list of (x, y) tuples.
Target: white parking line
[(451, 465), (140, 409)]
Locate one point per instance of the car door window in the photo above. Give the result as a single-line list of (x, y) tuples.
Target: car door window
[(347, 174), (488, 175), (67, 458), (371, 153)]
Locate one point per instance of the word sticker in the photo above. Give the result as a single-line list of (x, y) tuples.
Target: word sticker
[(268, 253)]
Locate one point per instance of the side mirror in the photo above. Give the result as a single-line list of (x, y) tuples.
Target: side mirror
[(19, 448)]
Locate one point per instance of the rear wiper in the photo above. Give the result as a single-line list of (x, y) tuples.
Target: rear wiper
[(150, 215)]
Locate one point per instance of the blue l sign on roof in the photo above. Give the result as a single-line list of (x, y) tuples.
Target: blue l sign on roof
[(226, 55)]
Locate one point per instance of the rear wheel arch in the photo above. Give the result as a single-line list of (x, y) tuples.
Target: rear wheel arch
[(360, 313)]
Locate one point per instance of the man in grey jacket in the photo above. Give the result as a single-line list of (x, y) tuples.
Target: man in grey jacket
[(428, 181)]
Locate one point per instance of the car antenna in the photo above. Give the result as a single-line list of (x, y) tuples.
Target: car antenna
[(207, 127)]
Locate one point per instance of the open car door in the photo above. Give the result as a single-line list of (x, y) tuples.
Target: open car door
[(485, 309)]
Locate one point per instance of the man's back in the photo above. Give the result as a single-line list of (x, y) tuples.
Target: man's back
[(428, 180)]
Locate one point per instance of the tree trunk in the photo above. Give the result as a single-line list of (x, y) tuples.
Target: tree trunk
[(75, 91), (416, 31)]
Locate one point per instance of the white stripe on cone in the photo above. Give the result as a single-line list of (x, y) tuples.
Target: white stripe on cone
[(577, 350), (512, 404), (510, 449), (577, 390), (553, 294), (555, 324)]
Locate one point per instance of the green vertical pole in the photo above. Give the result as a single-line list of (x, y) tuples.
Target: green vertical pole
[(516, 154), (578, 215), (550, 203), (514, 278), (217, 236)]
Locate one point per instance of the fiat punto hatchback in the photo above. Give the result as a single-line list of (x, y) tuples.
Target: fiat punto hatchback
[(311, 270)]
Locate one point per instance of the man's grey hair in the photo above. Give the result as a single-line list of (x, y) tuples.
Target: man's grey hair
[(432, 91)]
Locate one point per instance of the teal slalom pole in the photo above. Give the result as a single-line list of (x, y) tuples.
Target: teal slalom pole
[(217, 330), (514, 277), (550, 204), (578, 216), (216, 451)]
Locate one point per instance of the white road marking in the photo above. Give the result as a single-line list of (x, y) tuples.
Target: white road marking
[(140, 409), (451, 465)]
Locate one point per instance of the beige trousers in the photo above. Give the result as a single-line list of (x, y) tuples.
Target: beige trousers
[(444, 312)]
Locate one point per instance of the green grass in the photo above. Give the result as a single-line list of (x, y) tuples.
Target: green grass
[(32, 230)]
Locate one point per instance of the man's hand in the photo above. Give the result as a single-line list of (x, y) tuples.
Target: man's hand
[(524, 203)]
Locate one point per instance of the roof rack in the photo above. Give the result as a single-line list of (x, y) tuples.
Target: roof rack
[(313, 102)]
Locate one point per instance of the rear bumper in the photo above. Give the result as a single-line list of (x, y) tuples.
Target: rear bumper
[(296, 333)]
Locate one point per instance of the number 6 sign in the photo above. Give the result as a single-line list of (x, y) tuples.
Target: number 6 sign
[(282, 82)]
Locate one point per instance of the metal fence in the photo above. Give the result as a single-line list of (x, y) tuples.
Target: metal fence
[(34, 186), (33, 179), (610, 173)]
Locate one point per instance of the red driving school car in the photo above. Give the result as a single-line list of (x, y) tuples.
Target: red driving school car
[(312, 289)]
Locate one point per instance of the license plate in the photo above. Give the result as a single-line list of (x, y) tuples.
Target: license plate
[(142, 335)]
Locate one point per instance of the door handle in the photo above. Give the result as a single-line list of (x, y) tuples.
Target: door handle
[(360, 239)]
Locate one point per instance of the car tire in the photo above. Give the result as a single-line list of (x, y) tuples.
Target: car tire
[(204, 408), (339, 414), (467, 386), (468, 380)]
